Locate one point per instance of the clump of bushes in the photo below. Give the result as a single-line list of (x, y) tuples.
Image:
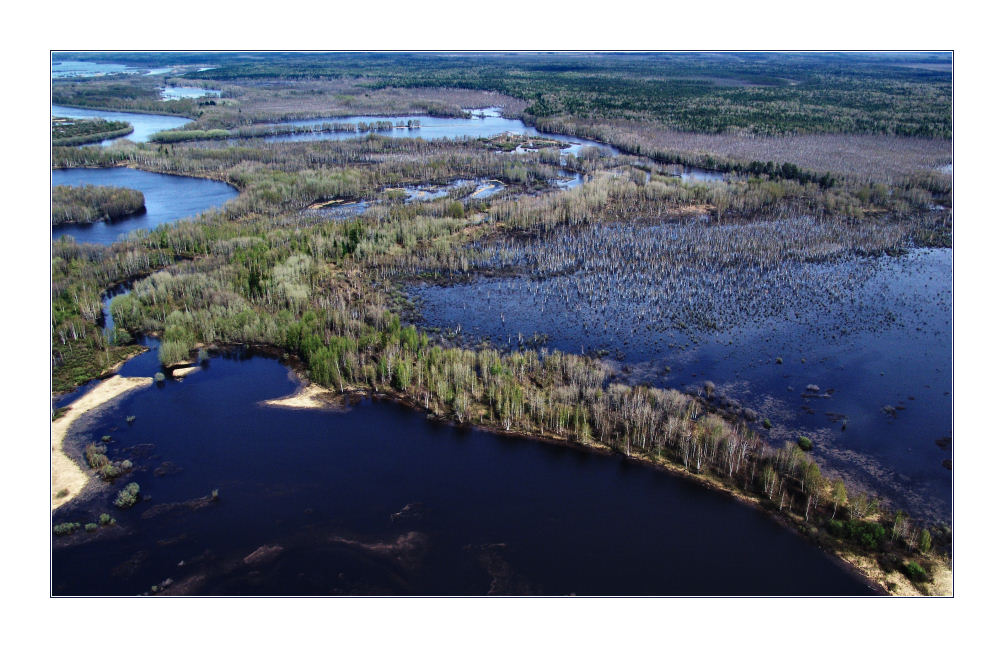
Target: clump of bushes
[(867, 535), (95, 454), (90, 526), (455, 210), (107, 469), (66, 528), (106, 520), (924, 542), (915, 572), (805, 443), (128, 496)]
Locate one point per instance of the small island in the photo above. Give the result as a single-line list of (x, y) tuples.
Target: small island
[(74, 132), (90, 203)]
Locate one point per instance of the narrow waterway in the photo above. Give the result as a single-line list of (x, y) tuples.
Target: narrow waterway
[(143, 125), (168, 198)]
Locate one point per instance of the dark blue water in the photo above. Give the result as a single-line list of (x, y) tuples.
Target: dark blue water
[(168, 198), (885, 341), (379, 500), (143, 125)]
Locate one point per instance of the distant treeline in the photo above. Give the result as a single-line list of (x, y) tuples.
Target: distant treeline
[(748, 93), (91, 203), (72, 132)]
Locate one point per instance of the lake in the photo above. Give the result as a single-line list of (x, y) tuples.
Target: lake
[(377, 499), (168, 198), (143, 125)]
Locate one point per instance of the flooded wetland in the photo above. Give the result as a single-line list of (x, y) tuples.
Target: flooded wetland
[(444, 341)]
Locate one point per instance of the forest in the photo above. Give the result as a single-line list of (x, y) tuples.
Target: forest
[(267, 271), (763, 94)]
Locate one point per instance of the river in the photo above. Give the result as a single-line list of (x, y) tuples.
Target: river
[(376, 499), (143, 125), (168, 198)]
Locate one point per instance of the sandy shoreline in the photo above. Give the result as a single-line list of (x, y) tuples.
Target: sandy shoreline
[(66, 474), (309, 396)]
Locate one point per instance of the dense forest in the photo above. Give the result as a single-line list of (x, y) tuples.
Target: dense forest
[(762, 94)]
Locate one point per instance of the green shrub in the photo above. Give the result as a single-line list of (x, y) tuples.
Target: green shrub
[(95, 454), (174, 351), (805, 443), (66, 528), (128, 496), (455, 210), (109, 471), (105, 520), (924, 542), (915, 572), (867, 535), (63, 492), (90, 526)]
